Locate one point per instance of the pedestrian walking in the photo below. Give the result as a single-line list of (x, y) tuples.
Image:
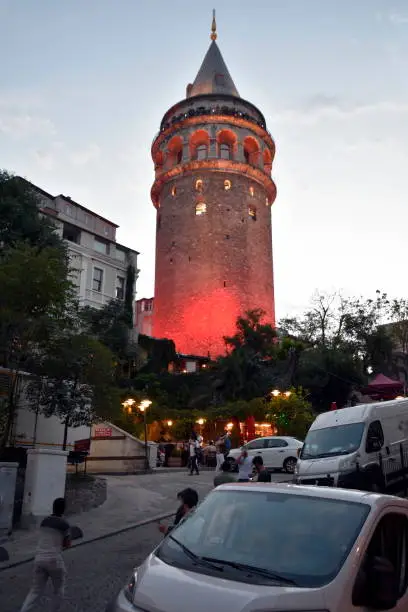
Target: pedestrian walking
[(227, 443), (244, 466), (220, 451), (54, 537), (193, 447), (262, 473)]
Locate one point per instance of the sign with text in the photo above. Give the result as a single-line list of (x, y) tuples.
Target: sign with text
[(103, 432)]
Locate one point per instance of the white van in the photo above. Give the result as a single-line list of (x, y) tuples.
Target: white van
[(266, 547), (363, 447)]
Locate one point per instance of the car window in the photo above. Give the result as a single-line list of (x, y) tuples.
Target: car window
[(375, 437), (276, 443), (390, 541), (248, 528), (332, 441), (255, 444)]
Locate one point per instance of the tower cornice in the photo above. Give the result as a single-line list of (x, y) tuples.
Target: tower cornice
[(216, 165), (213, 118)]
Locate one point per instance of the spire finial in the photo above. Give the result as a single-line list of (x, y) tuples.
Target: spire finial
[(213, 27)]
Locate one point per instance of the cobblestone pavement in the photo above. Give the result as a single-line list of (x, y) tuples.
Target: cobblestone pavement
[(130, 499), (96, 572)]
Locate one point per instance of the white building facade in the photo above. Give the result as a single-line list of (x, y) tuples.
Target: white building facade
[(100, 265)]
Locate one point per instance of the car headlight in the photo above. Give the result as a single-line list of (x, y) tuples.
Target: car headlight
[(349, 463), (130, 587)]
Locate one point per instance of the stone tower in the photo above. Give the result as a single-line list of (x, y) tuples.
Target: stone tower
[(213, 193)]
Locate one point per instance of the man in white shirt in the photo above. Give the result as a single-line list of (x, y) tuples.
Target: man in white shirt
[(244, 466), (54, 537), (194, 446)]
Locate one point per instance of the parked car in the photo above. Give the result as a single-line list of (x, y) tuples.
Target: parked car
[(251, 547), (362, 447), (278, 452)]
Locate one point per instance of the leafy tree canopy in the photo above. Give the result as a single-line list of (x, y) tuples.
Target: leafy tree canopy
[(19, 215)]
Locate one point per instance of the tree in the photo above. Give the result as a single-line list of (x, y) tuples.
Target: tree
[(19, 215), (109, 325), (75, 382), (291, 414), (253, 334), (36, 299)]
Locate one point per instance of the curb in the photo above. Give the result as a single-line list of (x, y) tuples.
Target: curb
[(154, 519)]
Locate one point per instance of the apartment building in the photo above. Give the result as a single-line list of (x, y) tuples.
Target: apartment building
[(99, 264)]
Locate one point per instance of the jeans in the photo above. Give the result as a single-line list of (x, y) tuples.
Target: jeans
[(194, 464), (50, 568)]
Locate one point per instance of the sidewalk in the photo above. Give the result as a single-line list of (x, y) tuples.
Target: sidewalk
[(130, 500)]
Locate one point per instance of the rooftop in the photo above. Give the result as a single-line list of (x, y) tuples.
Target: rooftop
[(213, 76)]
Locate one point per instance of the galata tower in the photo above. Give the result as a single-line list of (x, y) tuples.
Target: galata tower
[(213, 194)]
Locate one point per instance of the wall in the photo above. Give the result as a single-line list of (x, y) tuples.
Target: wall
[(211, 268), (47, 432), (117, 453)]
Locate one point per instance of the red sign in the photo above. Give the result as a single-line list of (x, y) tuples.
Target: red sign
[(103, 432)]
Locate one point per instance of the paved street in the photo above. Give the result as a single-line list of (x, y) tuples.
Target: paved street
[(98, 569)]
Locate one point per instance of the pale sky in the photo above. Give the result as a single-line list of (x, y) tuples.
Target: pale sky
[(84, 85)]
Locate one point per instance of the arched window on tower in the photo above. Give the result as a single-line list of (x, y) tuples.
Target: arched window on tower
[(202, 152), (200, 209), (175, 151), (251, 151), (267, 161), (199, 185), (199, 144), (252, 212), (227, 144), (225, 151)]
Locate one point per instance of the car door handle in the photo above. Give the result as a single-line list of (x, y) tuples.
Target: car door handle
[(281, 451)]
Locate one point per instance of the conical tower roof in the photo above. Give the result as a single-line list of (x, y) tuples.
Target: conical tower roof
[(213, 76)]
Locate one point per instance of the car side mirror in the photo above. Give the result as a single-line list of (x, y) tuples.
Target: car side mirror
[(381, 585)]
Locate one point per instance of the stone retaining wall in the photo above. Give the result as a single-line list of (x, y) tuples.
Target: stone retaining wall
[(84, 492)]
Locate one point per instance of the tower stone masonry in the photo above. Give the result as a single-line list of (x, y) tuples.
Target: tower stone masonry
[(213, 193)]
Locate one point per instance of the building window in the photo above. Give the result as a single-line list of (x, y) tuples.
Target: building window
[(174, 191), (101, 247), (227, 184), (251, 192), (202, 151), (267, 202), (71, 233), (120, 255), (201, 208), (199, 185), (225, 151), (252, 212), (86, 219), (120, 288), (106, 230), (97, 279), (68, 210)]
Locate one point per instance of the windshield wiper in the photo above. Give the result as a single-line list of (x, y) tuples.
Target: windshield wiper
[(196, 558), (250, 569)]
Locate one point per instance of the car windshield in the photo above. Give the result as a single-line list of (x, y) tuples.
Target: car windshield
[(332, 441), (266, 537)]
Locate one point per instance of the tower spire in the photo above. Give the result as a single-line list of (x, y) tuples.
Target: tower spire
[(213, 27)]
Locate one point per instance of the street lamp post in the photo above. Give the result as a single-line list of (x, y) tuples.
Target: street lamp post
[(143, 406)]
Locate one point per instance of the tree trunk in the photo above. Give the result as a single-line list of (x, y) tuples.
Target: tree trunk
[(11, 408)]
